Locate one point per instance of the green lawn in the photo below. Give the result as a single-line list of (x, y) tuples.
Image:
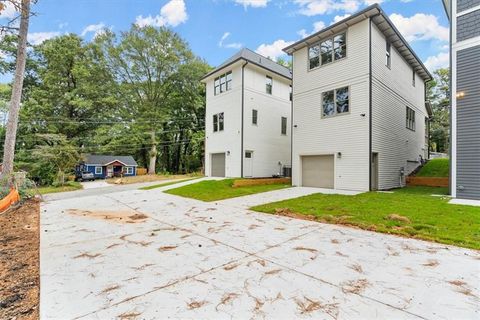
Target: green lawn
[(167, 184), (435, 168), (213, 190), (410, 212), (69, 186)]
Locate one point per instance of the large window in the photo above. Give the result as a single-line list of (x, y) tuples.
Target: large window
[(218, 122), (284, 125), (327, 51), (410, 122), (223, 83), (335, 102), (269, 85), (254, 117), (388, 55)]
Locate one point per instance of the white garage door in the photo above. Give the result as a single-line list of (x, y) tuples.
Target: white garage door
[(318, 171), (218, 165)]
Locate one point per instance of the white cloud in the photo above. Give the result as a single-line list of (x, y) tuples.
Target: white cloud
[(441, 60), (171, 14), (370, 2), (316, 7), (233, 45), (273, 50), (95, 28), (253, 3), (317, 26), (420, 27), (37, 38), (340, 18), (8, 11)]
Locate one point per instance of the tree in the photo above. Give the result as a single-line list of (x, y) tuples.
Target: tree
[(438, 94), (11, 130), (285, 63), (144, 61), (59, 152)]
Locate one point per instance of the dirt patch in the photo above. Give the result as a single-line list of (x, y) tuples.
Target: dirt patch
[(306, 249), (19, 260), (286, 212), (121, 216), (431, 263), (398, 218), (309, 305), (356, 267), (196, 304), (167, 248), (129, 315)]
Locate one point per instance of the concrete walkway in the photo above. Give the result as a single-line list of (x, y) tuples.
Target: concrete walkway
[(149, 255)]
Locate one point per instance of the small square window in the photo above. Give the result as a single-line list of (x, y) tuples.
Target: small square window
[(128, 170), (98, 170), (248, 154)]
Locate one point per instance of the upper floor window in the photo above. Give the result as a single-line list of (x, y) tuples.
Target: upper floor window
[(410, 121), (269, 85), (254, 117), (335, 102), (284, 125), (388, 54), (218, 122), (223, 83), (413, 77), (291, 93), (329, 50)]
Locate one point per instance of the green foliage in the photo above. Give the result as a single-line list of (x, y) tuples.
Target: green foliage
[(438, 95), (68, 186), (435, 168), (431, 218), (212, 190)]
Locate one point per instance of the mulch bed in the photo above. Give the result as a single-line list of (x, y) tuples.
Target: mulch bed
[(19, 262)]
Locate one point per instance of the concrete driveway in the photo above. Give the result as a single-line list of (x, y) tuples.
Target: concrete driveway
[(150, 255)]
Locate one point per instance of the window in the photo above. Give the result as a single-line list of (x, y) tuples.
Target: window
[(128, 170), (410, 123), (291, 93), (98, 170), (248, 154), (223, 83), (335, 102), (254, 117), (284, 125), (218, 122), (269, 85), (388, 55), (331, 49), (413, 78)]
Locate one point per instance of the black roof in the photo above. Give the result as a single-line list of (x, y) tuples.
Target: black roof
[(254, 58), (104, 159)]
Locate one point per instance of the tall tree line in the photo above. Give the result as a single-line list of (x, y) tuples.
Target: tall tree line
[(136, 93)]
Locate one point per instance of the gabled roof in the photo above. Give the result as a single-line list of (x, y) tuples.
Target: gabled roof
[(386, 26), (446, 5), (104, 159), (256, 59)]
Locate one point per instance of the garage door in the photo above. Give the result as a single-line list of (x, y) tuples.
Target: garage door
[(318, 171), (218, 165)]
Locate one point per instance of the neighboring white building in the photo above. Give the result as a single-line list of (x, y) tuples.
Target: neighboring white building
[(464, 16), (247, 121), (359, 112)]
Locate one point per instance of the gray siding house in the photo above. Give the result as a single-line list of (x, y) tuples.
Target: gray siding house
[(464, 18)]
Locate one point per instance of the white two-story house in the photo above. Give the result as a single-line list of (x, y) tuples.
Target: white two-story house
[(248, 112), (360, 115)]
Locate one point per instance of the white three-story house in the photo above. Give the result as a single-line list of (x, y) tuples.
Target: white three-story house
[(248, 111)]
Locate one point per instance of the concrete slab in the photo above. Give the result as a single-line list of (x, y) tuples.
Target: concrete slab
[(465, 202), (95, 184), (191, 259)]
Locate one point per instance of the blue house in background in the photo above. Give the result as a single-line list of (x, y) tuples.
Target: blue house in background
[(103, 166)]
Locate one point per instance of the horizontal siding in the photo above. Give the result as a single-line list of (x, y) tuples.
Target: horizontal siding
[(392, 91), (463, 5), (228, 140), (349, 133), (468, 25), (468, 124), (269, 146)]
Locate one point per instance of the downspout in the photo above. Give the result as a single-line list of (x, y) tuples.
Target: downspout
[(243, 112), (450, 184), (370, 106), (291, 129)]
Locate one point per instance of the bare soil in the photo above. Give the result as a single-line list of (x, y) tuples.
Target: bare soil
[(125, 216), (19, 262)]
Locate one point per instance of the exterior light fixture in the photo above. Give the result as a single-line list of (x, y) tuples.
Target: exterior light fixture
[(460, 94)]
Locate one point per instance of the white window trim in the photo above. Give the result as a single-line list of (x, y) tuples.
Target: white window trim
[(96, 170), (129, 170), (227, 82)]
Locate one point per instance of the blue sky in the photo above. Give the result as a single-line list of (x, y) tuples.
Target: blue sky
[(216, 29)]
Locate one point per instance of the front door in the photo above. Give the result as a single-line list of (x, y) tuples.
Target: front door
[(248, 164), (109, 171)]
